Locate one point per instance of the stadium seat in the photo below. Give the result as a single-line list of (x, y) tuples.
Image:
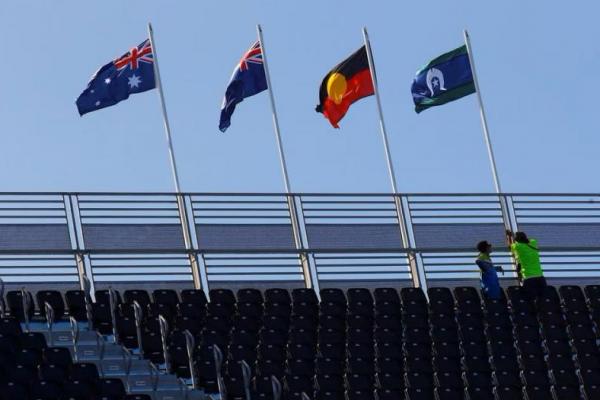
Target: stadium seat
[(194, 296), (249, 295), (54, 299), (75, 300), (14, 300)]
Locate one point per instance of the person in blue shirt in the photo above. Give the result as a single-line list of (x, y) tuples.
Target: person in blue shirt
[(490, 285)]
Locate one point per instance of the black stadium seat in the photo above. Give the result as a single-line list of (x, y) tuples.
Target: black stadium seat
[(354, 344)]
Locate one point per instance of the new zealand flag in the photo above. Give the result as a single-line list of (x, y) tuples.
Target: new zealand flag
[(131, 73), (247, 80)]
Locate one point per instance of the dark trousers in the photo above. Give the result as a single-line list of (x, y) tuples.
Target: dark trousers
[(534, 287)]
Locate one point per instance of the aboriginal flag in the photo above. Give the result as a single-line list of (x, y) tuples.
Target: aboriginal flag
[(346, 83)]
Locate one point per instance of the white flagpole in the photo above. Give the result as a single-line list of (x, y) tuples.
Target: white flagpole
[(486, 133), (417, 273), (164, 110), (386, 145), (274, 111)]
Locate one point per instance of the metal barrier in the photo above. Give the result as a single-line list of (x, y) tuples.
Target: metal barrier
[(206, 239)]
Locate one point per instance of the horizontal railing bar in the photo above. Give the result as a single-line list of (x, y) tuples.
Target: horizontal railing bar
[(250, 266), (473, 251), (253, 273), (349, 217), (454, 216), (242, 209), (570, 263), (559, 216), (558, 209), (306, 210), (391, 201), (457, 209), (41, 276), (3, 267), (555, 202), (38, 209), (134, 273), (89, 209), (251, 257), (138, 266), (426, 251), (321, 257), (117, 217), (57, 201), (283, 202), (364, 265), (126, 202), (125, 258), (411, 202), (33, 217), (286, 217), (308, 194)]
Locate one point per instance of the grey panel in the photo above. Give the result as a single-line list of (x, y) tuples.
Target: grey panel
[(245, 236), (133, 236), (576, 235), (354, 236), (458, 236), (34, 237)]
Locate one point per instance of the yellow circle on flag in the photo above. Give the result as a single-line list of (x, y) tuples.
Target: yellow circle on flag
[(336, 87)]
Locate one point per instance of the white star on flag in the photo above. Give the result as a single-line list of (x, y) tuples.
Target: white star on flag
[(134, 81)]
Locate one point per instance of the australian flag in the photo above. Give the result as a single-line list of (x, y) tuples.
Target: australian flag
[(131, 73), (248, 79)]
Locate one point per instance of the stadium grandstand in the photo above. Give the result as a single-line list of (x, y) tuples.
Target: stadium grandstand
[(302, 296)]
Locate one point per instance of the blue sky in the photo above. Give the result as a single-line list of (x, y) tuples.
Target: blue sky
[(538, 67)]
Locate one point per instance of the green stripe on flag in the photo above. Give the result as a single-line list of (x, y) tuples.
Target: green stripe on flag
[(447, 96), (444, 57)]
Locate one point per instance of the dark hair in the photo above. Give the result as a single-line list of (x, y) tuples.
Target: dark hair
[(521, 237), (483, 246)]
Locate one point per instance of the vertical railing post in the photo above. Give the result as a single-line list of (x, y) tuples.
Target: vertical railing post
[(197, 260), (84, 265), (187, 238), (415, 261), (309, 269)]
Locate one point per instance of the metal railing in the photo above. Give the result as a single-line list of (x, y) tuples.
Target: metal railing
[(300, 239)]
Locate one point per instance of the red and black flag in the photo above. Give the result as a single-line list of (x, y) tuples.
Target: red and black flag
[(346, 83)]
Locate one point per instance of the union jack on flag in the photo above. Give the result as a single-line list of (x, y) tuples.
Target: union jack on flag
[(252, 56), (248, 79), (133, 72), (137, 55)]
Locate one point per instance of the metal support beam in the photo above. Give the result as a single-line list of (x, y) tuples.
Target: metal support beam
[(309, 269), (84, 264), (187, 238), (415, 262)]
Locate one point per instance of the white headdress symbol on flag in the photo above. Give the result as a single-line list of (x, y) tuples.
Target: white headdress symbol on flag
[(435, 81)]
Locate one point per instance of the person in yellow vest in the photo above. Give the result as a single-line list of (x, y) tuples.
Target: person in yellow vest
[(529, 267)]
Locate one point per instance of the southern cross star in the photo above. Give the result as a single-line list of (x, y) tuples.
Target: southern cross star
[(134, 81)]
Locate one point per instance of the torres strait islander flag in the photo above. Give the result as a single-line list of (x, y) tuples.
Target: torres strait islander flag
[(444, 79), (346, 83)]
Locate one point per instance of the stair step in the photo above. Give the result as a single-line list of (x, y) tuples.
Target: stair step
[(65, 338), (140, 384), (170, 395)]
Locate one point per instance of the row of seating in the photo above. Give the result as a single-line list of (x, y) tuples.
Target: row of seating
[(358, 344), (30, 369)]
